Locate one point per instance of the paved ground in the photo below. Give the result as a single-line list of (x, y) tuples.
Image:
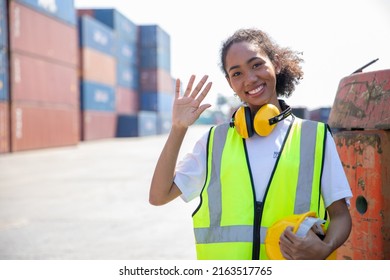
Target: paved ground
[(91, 202)]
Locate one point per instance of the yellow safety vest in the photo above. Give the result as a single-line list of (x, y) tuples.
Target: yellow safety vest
[(229, 222)]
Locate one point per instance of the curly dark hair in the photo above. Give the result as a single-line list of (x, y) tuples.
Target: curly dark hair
[(291, 71)]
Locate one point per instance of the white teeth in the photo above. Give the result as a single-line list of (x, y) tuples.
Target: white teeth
[(256, 90)]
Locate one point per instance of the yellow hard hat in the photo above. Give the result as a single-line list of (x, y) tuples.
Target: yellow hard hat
[(301, 224)]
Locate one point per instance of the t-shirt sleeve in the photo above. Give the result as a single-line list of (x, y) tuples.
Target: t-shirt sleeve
[(335, 185), (190, 173)]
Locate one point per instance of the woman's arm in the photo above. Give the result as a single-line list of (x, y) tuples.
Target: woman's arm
[(186, 110), (311, 247), (340, 225)]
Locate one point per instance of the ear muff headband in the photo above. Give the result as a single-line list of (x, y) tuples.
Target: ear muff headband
[(263, 123)]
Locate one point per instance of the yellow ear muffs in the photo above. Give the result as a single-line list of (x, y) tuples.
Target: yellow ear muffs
[(243, 122), (261, 122)]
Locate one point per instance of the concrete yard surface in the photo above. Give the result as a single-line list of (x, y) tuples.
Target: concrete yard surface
[(90, 201)]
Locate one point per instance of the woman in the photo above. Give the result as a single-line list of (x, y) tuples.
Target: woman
[(264, 165)]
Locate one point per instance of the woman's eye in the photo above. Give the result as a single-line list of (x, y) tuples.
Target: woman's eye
[(256, 65), (236, 74)]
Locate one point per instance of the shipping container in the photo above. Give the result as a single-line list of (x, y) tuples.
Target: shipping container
[(126, 52), (301, 112), (156, 80), (98, 125), (164, 122), (320, 114), (35, 33), (3, 24), (39, 80), (156, 102), (140, 124), (127, 75), (4, 127), (97, 66), (124, 28), (153, 36), (37, 126), (57, 9), (155, 48), (127, 101), (4, 75), (152, 58), (96, 35), (97, 97)]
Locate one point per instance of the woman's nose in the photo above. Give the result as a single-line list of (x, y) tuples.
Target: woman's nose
[(251, 78)]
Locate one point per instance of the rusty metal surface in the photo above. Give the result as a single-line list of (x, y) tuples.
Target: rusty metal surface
[(365, 156), (362, 101)]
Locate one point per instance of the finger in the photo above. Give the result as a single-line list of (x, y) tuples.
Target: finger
[(202, 108), (286, 255), (177, 91), (284, 249), (288, 235), (189, 85), (199, 86), (204, 93)]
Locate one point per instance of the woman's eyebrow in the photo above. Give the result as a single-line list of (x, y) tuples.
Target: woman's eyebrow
[(248, 61)]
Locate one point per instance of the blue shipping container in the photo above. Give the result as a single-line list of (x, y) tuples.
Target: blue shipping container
[(4, 75), (3, 24), (96, 35), (153, 36), (126, 52), (156, 102), (141, 124), (60, 9), (164, 122), (152, 58), (123, 27), (97, 97), (127, 76)]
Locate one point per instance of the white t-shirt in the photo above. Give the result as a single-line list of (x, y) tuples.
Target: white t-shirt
[(190, 173)]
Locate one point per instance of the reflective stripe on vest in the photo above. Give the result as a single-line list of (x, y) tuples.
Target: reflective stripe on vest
[(223, 222)]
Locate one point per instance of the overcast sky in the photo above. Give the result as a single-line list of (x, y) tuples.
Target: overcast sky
[(335, 36)]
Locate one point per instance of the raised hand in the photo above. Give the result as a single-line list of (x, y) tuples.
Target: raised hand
[(188, 108)]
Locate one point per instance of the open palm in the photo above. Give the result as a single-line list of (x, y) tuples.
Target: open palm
[(188, 108)]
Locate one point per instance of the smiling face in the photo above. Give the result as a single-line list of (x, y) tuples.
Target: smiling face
[(251, 75)]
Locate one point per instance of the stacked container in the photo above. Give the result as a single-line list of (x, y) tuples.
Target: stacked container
[(301, 112), (156, 85), (4, 95), (97, 79), (126, 54), (320, 114), (127, 74), (360, 119), (43, 74)]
